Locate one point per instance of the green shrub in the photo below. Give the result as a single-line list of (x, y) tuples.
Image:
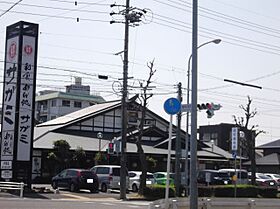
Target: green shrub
[(241, 191), (205, 191), (268, 192), (156, 192)]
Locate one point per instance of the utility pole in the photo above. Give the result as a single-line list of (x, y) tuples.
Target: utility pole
[(124, 107), (132, 16), (178, 146)]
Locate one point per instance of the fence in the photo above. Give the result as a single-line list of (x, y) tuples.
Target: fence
[(12, 186), (218, 203)]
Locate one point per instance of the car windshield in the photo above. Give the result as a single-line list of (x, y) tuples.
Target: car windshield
[(87, 174), (223, 174), (150, 176), (261, 176)]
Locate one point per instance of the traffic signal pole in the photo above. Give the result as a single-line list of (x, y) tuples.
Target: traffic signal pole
[(193, 142)]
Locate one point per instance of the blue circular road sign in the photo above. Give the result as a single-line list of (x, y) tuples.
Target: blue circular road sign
[(172, 106)]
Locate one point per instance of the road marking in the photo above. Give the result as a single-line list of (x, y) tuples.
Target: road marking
[(106, 203), (76, 196)]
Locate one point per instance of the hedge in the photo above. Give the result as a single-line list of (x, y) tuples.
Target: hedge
[(241, 191), (155, 192)]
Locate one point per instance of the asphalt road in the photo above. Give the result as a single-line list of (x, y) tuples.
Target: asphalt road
[(27, 203), (45, 197)]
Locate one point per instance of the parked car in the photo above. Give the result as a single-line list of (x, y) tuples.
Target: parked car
[(275, 177), (76, 179), (160, 178), (134, 179), (213, 177), (242, 175), (263, 180), (109, 177)]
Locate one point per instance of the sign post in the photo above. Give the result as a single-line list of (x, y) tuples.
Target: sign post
[(171, 106), (234, 146)]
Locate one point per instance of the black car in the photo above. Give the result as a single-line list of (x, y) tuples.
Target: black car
[(76, 179), (213, 177)]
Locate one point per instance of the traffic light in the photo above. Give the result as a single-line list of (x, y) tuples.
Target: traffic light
[(111, 148), (210, 112), (204, 106), (209, 107)]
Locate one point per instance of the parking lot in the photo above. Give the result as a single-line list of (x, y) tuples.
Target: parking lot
[(45, 191)]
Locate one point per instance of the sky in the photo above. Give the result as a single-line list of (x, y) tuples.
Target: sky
[(77, 40)]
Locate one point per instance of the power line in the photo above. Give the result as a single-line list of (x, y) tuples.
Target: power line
[(8, 10), (56, 16), (57, 8), (79, 2)]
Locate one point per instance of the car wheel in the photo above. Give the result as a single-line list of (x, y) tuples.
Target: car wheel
[(72, 187), (103, 187), (134, 188), (54, 185)]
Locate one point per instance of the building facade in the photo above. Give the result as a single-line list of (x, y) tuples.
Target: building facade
[(52, 104)]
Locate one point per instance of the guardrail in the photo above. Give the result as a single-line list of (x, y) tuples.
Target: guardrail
[(6, 185), (218, 203)]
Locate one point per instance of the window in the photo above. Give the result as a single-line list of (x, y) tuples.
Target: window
[(53, 102), (77, 104), (116, 171), (102, 170), (65, 103)]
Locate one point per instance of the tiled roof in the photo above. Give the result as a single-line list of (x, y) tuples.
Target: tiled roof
[(89, 143), (273, 144), (59, 122), (272, 159)]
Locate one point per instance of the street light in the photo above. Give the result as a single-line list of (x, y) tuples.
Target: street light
[(215, 41)]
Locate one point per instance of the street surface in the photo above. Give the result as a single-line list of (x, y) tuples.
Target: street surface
[(47, 198), (28, 203)]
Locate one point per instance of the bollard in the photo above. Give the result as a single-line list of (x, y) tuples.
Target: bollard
[(208, 203), (21, 189), (174, 204), (252, 204)]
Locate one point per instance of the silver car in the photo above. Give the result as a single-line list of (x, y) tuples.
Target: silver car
[(134, 180), (109, 177)]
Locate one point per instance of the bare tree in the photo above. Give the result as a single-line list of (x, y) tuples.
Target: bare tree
[(144, 97), (251, 134)]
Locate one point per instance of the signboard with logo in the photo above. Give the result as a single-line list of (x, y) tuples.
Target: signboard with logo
[(18, 101), (9, 99), (27, 82)]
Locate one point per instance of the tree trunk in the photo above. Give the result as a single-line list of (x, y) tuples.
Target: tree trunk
[(144, 168)]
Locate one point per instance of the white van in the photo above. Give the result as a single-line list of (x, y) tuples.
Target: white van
[(242, 175), (109, 177)]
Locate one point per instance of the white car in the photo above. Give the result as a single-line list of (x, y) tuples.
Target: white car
[(109, 177), (275, 177), (134, 180)]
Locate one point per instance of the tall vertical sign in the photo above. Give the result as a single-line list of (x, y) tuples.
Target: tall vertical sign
[(234, 140), (19, 101)]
